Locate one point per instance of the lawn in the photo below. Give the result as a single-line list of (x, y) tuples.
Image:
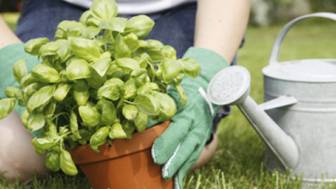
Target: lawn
[(238, 162)]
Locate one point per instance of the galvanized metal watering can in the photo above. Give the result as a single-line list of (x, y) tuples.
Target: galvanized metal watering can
[(300, 124)]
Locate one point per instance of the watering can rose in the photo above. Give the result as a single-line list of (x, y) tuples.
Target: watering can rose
[(99, 80)]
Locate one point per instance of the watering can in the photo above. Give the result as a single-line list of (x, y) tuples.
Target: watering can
[(300, 124)]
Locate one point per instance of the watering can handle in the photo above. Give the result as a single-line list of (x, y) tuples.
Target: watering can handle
[(282, 34)]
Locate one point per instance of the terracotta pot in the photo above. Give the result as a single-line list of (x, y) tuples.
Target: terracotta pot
[(126, 164)]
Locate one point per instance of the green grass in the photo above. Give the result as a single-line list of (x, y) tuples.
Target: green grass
[(238, 162)]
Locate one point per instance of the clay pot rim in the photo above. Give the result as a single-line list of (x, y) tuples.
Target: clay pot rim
[(119, 148)]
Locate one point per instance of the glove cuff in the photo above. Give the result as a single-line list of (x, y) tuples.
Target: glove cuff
[(210, 61), (10, 54)]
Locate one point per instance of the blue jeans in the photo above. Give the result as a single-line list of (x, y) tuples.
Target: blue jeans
[(40, 18), (175, 27)]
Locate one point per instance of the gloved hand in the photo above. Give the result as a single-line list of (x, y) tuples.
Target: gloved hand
[(9, 55), (180, 146)]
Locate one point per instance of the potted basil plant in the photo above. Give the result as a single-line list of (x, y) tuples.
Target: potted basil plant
[(97, 84)]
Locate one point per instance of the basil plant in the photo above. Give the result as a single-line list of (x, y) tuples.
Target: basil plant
[(99, 80)]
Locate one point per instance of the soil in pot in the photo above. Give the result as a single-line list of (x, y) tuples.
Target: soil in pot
[(126, 164)]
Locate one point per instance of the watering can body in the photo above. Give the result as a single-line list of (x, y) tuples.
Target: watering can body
[(298, 120), (310, 121)]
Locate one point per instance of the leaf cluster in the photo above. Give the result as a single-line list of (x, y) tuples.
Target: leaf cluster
[(99, 80)]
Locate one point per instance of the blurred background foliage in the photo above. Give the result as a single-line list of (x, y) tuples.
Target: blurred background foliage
[(264, 12)]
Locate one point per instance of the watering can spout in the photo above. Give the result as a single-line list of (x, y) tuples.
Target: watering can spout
[(231, 86), (282, 145)]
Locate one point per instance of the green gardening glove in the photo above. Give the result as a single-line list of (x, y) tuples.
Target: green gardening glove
[(180, 146), (9, 55)]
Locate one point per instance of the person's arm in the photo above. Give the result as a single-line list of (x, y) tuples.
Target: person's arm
[(226, 21), (221, 24), (7, 37)]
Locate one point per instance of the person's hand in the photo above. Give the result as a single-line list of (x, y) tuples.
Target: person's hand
[(180, 146), (18, 159)]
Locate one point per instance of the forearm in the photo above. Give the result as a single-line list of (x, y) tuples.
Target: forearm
[(7, 37), (221, 24)]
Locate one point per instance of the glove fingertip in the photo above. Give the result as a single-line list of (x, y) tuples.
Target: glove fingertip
[(178, 183), (166, 174), (155, 151)]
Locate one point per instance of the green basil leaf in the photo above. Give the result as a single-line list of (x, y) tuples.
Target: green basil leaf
[(170, 70), (81, 93), (63, 130), (7, 105), (102, 65), (190, 67), (144, 59), (129, 128), (43, 144), (27, 80), (128, 64), (132, 42), (117, 132), (148, 104), (112, 89), (130, 89), (141, 121), (20, 69), (66, 163), (36, 121), (89, 115), (142, 78), (78, 69), (85, 48), (69, 28), (29, 90), (183, 96), (41, 97), (52, 129), (85, 17), (104, 9), (130, 112), (74, 125), (50, 109), (96, 81), (90, 32), (61, 91), (52, 161), (114, 24), (153, 48), (147, 88), (14, 92), (45, 73), (99, 138), (167, 105), (108, 111), (140, 25), (115, 71), (59, 49), (121, 48), (63, 52), (25, 117), (168, 52), (33, 46)]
